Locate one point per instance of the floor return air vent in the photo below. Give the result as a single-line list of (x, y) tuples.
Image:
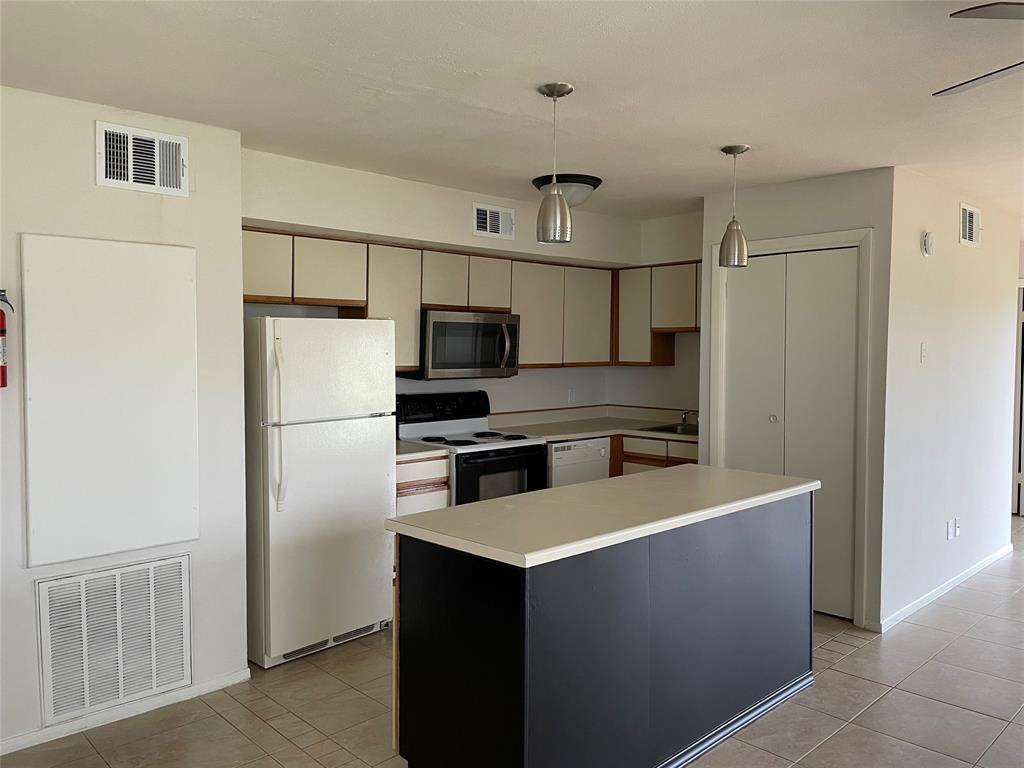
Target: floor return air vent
[(114, 636)]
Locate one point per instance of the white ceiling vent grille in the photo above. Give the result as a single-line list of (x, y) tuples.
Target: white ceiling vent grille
[(493, 221), (970, 225), (114, 636), (132, 158)]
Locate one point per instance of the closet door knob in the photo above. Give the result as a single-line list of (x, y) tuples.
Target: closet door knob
[(773, 419)]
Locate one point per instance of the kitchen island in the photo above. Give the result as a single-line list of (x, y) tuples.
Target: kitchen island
[(630, 622)]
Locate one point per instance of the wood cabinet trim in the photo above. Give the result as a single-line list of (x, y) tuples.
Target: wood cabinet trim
[(416, 487), (642, 458), (615, 460), (446, 307), (400, 461), (252, 298), (407, 368), (496, 310), (680, 329), (310, 300)]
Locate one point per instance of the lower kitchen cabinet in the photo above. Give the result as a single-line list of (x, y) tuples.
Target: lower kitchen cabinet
[(393, 293), (640, 454), (538, 299), (422, 485)]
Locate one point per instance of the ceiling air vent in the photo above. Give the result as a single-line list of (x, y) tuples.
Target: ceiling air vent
[(132, 158), (114, 636), (970, 225), (493, 221)]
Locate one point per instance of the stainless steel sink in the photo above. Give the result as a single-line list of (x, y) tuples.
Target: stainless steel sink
[(674, 429)]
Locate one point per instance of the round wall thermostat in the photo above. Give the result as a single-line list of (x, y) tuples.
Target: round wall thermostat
[(927, 244)]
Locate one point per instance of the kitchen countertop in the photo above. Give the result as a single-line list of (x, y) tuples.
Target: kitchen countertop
[(406, 450), (530, 529), (581, 429)]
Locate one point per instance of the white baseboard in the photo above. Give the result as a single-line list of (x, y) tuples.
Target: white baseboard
[(30, 739), (893, 619)]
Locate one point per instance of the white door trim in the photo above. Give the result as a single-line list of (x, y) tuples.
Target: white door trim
[(869, 442)]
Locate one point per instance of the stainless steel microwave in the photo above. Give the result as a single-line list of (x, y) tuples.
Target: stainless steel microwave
[(468, 345)]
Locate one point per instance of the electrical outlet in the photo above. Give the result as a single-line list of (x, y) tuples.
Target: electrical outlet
[(956, 526), (950, 529), (571, 396), (923, 353)]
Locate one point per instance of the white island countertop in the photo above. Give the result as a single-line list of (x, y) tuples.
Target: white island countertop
[(530, 529)]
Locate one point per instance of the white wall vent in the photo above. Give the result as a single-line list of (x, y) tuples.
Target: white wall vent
[(132, 158), (970, 225), (114, 636), (493, 221)]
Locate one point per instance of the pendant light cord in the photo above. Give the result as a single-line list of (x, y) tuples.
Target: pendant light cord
[(734, 187), (554, 140)]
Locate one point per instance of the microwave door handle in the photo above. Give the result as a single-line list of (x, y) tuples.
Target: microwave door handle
[(508, 346)]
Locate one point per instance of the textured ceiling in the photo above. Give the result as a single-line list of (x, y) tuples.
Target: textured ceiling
[(443, 91)]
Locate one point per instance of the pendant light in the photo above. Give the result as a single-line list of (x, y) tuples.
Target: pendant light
[(554, 222), (733, 251)]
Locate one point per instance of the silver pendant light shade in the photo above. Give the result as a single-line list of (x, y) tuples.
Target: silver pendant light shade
[(733, 250), (554, 221)]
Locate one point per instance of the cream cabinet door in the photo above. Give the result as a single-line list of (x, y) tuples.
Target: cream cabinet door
[(490, 283), (267, 266), (635, 315), (330, 272), (537, 297), (588, 316), (445, 279), (393, 292), (700, 285), (674, 296)]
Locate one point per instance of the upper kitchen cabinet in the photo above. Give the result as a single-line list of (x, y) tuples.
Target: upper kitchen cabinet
[(537, 297), (393, 293), (330, 272), (637, 343), (267, 267), (445, 280), (588, 316), (674, 297), (700, 277), (490, 283)]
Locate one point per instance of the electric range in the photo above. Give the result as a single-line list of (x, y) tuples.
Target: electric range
[(484, 463)]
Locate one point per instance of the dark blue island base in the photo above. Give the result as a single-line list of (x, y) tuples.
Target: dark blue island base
[(643, 654)]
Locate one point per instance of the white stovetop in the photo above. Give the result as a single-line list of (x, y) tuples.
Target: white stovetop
[(534, 528)]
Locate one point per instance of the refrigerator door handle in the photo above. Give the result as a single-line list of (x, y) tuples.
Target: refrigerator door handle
[(282, 471), (279, 365)]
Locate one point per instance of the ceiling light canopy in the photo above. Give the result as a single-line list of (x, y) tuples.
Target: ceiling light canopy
[(554, 222), (576, 187), (733, 250)]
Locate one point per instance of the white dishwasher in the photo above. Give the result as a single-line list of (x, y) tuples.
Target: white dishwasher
[(577, 461)]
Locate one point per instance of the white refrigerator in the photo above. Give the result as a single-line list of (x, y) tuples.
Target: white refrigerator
[(320, 481)]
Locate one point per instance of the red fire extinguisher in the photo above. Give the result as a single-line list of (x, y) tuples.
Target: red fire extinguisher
[(3, 338)]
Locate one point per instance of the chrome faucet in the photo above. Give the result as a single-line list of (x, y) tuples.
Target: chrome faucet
[(687, 413)]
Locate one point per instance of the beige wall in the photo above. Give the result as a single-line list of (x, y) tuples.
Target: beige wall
[(283, 190), (949, 419), (672, 238), (48, 187), (847, 201)]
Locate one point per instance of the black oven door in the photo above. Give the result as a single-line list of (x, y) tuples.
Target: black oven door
[(501, 472)]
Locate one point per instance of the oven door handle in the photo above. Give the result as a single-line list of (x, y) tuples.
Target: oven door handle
[(508, 346), (486, 460)]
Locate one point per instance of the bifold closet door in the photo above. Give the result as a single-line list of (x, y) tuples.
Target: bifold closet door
[(755, 366), (821, 409)]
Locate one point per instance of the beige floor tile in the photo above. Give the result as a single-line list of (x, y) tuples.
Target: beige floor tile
[(829, 657), (93, 761), (830, 625), (945, 617), (998, 660), (289, 725), (306, 684), (357, 668), (736, 754), (369, 741), (866, 634), (968, 689), (857, 641), (308, 738), (856, 747), (840, 695), (207, 743), (148, 723), (932, 724), (1008, 751), (839, 647), (1011, 608), (790, 730), (322, 747), (381, 641), (970, 600), (339, 757), (249, 724), (1009, 567), (336, 713), (263, 762), (293, 757), (1020, 717), (399, 762), (244, 692), (997, 585), (819, 665), (259, 677), (379, 689), (265, 707), (52, 753), (997, 630), (818, 639), (880, 665)]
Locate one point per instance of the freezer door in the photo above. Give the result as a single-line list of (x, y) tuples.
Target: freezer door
[(328, 557), (321, 369)]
